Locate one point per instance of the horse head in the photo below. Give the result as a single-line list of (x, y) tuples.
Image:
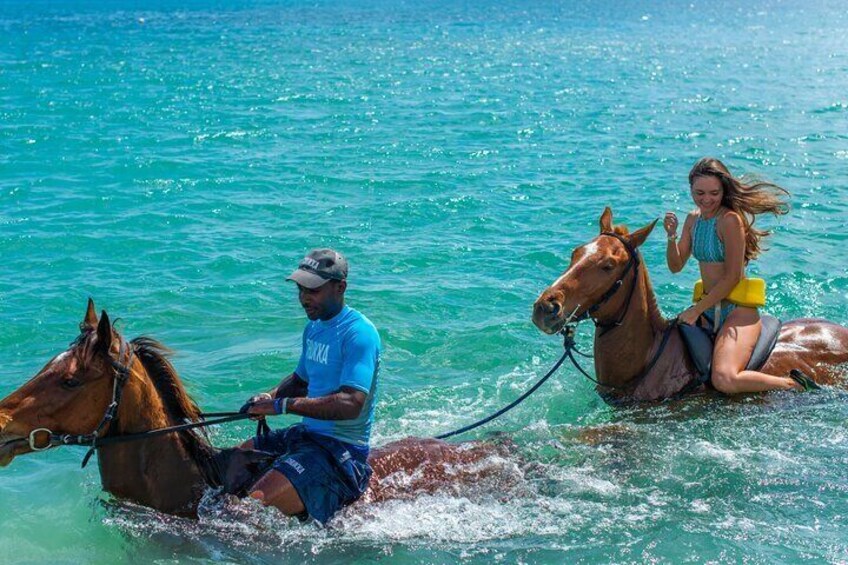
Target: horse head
[(104, 387), (589, 285), (69, 395)]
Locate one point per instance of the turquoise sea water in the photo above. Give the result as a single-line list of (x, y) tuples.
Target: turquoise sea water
[(173, 160)]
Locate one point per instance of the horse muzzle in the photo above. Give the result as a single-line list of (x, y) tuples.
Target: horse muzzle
[(548, 315), (10, 447), (11, 443)]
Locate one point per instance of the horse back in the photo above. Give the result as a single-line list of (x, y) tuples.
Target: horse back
[(816, 346)]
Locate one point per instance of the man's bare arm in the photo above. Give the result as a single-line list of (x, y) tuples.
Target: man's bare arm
[(346, 404), (292, 387)]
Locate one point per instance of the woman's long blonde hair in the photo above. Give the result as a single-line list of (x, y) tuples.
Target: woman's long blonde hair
[(748, 199)]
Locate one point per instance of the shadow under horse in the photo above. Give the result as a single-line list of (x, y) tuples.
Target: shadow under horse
[(639, 355), (106, 386)]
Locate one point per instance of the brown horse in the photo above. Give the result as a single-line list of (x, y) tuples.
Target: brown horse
[(71, 394), (638, 355)]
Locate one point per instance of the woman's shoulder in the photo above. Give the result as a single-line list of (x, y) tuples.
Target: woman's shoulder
[(692, 216), (730, 218), (729, 223)]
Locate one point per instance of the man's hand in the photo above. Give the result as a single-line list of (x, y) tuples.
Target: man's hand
[(254, 400), (262, 408), (346, 404)]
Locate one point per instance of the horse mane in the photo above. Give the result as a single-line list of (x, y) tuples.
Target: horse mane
[(658, 322), (179, 405), (154, 356)]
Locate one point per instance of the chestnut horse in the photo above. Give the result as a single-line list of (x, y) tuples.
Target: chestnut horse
[(639, 356), (69, 397)]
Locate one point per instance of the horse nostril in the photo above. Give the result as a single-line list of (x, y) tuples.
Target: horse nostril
[(555, 308)]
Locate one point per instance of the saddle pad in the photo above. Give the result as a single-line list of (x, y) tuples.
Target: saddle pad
[(699, 343), (765, 345)]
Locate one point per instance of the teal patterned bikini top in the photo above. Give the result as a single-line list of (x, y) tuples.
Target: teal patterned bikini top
[(706, 246)]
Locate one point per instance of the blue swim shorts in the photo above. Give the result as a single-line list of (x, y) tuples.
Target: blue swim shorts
[(724, 311), (327, 474)]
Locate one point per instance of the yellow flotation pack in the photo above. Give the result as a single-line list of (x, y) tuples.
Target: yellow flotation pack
[(747, 292)]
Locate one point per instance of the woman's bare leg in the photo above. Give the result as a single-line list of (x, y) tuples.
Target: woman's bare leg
[(733, 347)]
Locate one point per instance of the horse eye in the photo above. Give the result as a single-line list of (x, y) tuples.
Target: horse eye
[(608, 267), (71, 383)]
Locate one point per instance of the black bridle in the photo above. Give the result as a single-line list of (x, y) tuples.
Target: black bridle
[(633, 262), (569, 329), (41, 439)]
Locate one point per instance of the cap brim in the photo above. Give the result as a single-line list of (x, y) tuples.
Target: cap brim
[(307, 279)]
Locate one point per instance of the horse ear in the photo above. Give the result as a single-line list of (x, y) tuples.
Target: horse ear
[(606, 220), (104, 332), (638, 237), (90, 320)]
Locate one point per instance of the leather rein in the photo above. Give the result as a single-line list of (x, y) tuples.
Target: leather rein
[(42, 439), (568, 332)]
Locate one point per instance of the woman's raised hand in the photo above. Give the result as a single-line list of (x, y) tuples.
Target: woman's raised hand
[(670, 223)]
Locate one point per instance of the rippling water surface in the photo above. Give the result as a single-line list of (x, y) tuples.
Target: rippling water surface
[(174, 160)]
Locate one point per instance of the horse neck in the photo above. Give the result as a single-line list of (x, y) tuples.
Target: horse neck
[(623, 352), (159, 472)]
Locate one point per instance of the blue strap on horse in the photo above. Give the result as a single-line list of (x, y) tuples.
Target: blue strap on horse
[(262, 428)]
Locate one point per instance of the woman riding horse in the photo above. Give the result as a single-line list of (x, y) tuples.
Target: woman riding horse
[(639, 355), (720, 234)]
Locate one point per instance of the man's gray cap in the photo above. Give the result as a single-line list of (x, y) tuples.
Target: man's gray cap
[(318, 267)]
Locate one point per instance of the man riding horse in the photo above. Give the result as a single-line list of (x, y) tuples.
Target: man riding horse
[(322, 463)]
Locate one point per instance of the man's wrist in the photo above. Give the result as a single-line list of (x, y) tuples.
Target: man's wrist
[(281, 405)]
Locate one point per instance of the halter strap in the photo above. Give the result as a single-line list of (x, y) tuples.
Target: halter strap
[(569, 330), (41, 439), (633, 262), (569, 333), (122, 375)]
